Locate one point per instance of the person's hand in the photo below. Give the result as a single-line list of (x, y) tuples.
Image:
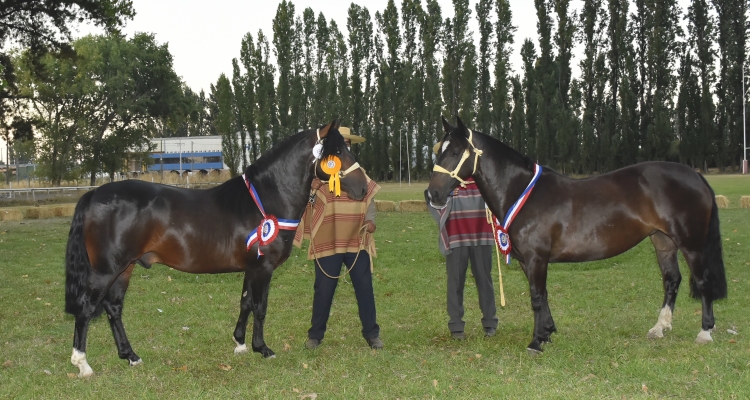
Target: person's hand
[(370, 226), (455, 191)]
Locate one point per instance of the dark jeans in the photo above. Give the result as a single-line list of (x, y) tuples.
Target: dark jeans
[(325, 287), (456, 264)]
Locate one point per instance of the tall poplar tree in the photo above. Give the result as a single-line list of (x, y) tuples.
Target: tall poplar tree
[(484, 84), (283, 38), (501, 106)]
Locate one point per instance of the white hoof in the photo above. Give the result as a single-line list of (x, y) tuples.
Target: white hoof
[(704, 337), (241, 348), (134, 363), (655, 333), (273, 356), (79, 360)]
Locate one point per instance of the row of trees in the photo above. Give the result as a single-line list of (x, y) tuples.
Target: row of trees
[(646, 91)]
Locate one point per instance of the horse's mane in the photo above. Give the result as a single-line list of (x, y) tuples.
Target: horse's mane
[(510, 153)]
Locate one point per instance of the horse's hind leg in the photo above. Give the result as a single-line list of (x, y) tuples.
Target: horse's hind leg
[(696, 261), (113, 303), (78, 358), (666, 254)]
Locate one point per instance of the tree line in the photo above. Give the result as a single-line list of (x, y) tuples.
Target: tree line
[(647, 89)]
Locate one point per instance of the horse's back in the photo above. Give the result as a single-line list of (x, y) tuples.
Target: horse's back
[(605, 215), (133, 220)]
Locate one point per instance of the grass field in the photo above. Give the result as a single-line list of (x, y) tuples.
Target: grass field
[(181, 325)]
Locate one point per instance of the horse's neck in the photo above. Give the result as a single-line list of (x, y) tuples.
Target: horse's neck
[(284, 184), (501, 182)]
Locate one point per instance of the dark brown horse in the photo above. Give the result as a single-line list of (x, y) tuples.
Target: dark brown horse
[(574, 220), (119, 225)]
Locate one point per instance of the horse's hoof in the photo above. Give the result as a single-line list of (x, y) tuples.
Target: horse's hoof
[(533, 352), (704, 337), (655, 333), (241, 348), (136, 362), (267, 353)]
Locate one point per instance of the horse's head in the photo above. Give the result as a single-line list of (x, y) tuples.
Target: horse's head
[(352, 178), (456, 162)]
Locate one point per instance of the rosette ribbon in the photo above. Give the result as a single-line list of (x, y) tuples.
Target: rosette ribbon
[(501, 229), (269, 226)]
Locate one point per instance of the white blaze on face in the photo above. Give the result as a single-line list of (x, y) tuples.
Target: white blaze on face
[(445, 145)]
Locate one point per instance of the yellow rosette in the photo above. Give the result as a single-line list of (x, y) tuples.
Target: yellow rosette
[(331, 166)]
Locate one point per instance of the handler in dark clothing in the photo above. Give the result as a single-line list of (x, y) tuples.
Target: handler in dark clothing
[(465, 235)]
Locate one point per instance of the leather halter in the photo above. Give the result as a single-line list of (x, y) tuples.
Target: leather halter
[(467, 153), (342, 174)]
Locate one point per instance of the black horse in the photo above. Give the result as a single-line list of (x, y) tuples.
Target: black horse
[(119, 225), (570, 220)]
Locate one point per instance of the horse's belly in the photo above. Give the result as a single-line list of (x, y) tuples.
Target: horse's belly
[(604, 244)]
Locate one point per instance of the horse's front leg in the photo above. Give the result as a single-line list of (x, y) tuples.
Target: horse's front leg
[(254, 300), (536, 272), (260, 287), (246, 306)]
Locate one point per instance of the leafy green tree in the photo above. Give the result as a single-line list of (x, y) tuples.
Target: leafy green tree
[(484, 84), (42, 25), (431, 24), (249, 84), (283, 37), (561, 146), (531, 97), (501, 105), (593, 140), (225, 124), (54, 92), (360, 30), (732, 43), (264, 95), (127, 83)]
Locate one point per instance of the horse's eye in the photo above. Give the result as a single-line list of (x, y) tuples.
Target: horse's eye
[(455, 152)]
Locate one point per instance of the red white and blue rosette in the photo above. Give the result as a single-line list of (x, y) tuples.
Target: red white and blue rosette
[(269, 226), (501, 229)]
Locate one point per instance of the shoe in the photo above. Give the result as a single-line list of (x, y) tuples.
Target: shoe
[(489, 332), (312, 344), (458, 335), (375, 343)]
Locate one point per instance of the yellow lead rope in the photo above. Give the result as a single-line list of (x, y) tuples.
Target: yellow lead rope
[(499, 270)]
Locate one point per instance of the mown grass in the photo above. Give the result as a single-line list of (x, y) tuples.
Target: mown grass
[(602, 310)]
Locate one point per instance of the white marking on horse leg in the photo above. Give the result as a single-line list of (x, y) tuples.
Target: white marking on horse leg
[(704, 337), (244, 294), (241, 348), (79, 360), (664, 322), (136, 362)]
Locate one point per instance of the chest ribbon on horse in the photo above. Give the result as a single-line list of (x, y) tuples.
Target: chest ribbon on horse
[(269, 226), (501, 230)]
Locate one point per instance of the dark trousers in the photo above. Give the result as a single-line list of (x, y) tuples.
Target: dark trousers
[(325, 287), (456, 264)]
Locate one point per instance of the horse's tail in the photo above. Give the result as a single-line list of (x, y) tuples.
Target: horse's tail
[(77, 265), (714, 277)]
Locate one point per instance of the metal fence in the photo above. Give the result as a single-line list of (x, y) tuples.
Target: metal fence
[(42, 193)]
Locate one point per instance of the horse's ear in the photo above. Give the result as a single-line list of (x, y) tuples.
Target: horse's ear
[(336, 123), (323, 132), (460, 123), (447, 126)]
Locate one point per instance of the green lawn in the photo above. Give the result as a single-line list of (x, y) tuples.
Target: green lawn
[(603, 311)]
